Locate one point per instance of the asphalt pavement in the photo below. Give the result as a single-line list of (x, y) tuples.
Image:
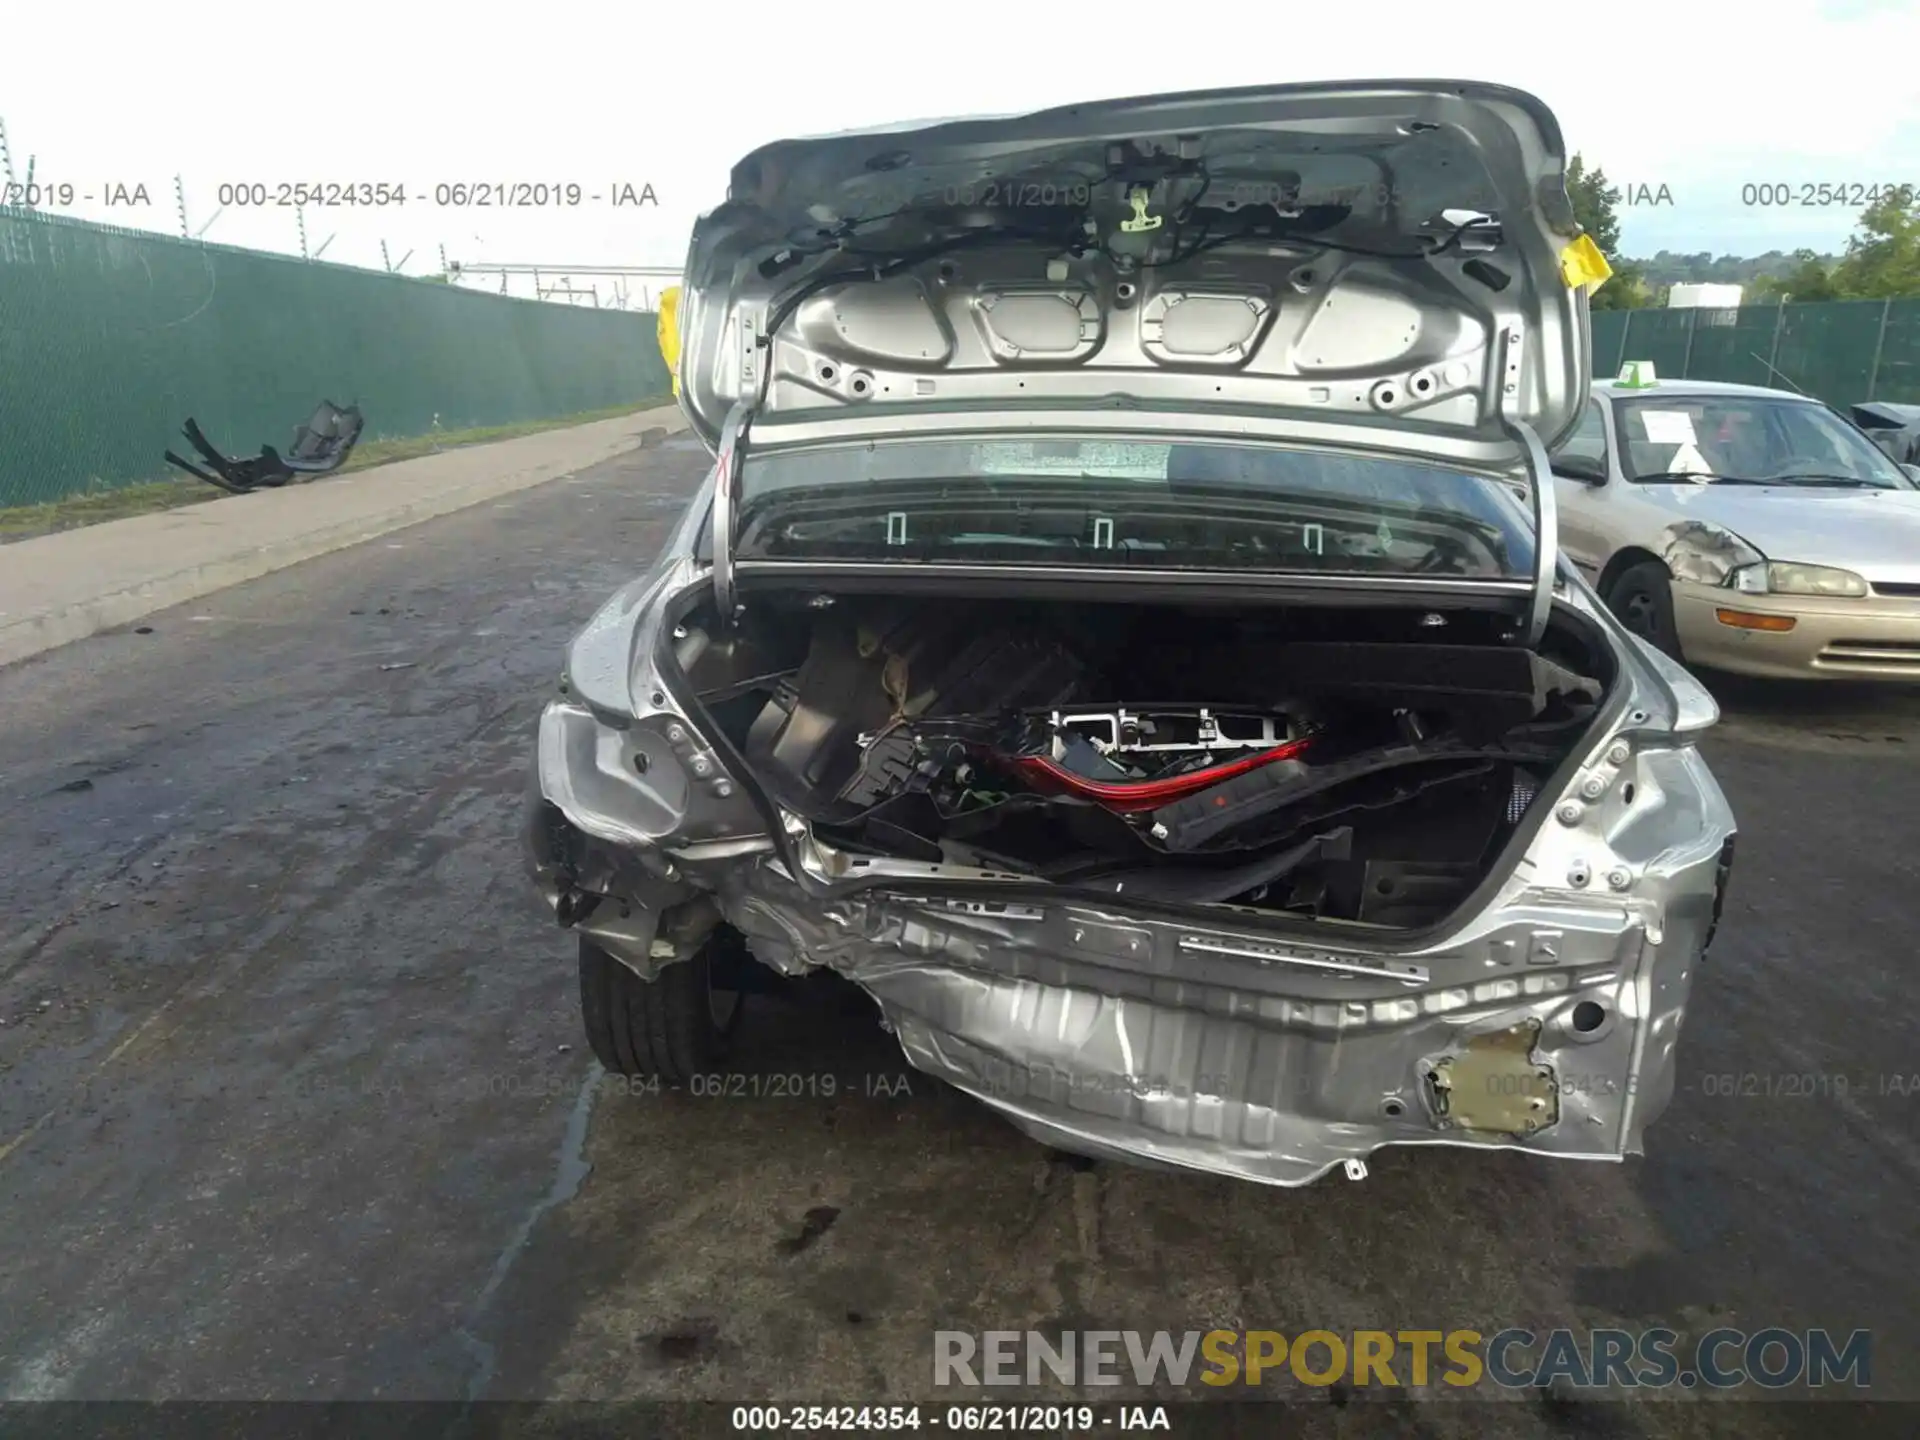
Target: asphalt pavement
[(294, 1101)]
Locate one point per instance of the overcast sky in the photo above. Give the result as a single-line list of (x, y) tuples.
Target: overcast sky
[(1702, 98)]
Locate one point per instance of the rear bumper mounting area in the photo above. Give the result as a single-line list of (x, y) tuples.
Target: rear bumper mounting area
[(1104, 1034)]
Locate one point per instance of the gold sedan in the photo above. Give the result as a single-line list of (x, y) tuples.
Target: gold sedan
[(1744, 529)]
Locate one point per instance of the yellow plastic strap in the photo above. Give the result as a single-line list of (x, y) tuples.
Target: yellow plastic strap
[(669, 328), (1581, 263)]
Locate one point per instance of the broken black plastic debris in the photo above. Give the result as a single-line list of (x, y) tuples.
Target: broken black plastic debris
[(320, 446)]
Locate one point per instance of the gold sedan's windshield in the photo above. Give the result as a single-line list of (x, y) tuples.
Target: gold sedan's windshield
[(1748, 440)]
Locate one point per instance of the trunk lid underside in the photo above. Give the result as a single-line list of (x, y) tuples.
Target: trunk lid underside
[(1368, 266)]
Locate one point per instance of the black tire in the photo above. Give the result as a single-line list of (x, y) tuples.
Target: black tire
[(677, 1025), (1642, 597)]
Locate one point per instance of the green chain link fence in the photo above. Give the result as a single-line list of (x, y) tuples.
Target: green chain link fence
[(111, 338), (1844, 352)]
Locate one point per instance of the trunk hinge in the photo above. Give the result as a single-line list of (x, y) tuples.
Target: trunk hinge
[(728, 458), (1546, 523)]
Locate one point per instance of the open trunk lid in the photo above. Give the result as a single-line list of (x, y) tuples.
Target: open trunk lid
[(1388, 266)]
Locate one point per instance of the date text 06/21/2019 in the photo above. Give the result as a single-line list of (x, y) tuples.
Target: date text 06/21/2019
[(457, 194), (1050, 1419), (342, 194)]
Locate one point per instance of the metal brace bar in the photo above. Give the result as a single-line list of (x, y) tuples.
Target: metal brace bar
[(1102, 532), (728, 458), (896, 527), (1546, 522), (1402, 971)]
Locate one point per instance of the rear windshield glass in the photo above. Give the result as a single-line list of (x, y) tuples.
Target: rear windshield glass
[(1148, 503)]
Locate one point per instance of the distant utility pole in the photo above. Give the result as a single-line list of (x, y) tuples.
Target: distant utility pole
[(383, 257), (300, 219), (6, 155), (1879, 347), (180, 203), (445, 273)]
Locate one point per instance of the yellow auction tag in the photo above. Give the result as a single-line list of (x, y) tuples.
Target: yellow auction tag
[(669, 328), (1581, 263)]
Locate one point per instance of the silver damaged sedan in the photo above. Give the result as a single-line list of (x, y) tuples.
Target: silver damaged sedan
[(1123, 632)]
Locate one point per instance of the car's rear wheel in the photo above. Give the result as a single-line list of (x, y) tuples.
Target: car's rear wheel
[(1642, 597), (679, 1024)]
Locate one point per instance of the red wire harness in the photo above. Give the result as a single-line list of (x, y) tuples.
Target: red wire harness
[(1128, 797)]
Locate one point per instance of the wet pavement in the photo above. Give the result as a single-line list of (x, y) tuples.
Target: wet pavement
[(294, 1101)]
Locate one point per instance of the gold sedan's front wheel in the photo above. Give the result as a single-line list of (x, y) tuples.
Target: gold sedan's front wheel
[(1642, 597)]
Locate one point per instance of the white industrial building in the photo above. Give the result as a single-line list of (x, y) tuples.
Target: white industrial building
[(1709, 297)]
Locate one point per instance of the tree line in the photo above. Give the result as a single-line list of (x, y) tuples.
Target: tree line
[(1881, 261)]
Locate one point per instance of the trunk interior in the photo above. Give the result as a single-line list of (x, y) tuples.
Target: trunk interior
[(1355, 764)]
